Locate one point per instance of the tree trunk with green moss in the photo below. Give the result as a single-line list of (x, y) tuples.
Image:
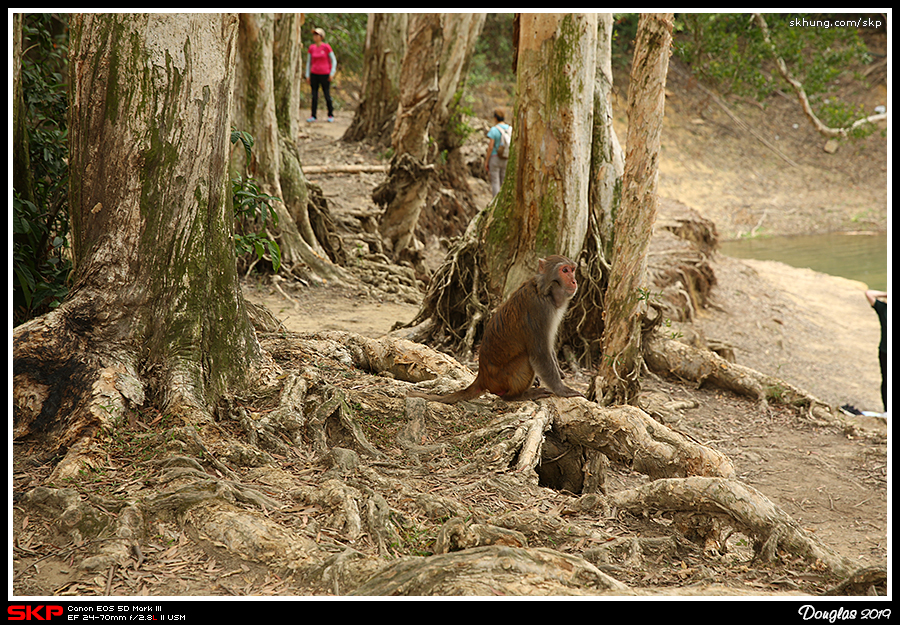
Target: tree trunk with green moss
[(542, 207), (155, 312)]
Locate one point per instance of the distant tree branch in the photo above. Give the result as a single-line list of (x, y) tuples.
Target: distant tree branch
[(797, 86)]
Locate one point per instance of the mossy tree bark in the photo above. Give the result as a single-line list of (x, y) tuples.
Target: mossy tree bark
[(155, 312), (542, 207)]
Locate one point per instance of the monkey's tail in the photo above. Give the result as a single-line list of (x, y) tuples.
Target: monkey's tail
[(471, 392)]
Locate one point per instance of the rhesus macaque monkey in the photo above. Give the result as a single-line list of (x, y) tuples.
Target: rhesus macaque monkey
[(520, 339)]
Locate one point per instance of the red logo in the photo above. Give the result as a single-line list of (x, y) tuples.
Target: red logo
[(37, 613)]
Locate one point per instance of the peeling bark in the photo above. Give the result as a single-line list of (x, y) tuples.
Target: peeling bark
[(625, 306)]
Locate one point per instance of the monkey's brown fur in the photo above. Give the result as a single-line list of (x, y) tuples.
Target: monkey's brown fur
[(520, 339)]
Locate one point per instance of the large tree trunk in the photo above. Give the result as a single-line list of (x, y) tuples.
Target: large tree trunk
[(542, 208), (383, 59), (156, 310), (627, 295), (546, 211)]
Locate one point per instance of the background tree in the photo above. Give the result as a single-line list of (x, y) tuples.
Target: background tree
[(434, 68), (267, 106), (156, 309), (848, 126), (404, 191), (383, 56), (757, 55), (626, 297)]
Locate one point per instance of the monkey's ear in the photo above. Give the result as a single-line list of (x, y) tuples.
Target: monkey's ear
[(542, 265)]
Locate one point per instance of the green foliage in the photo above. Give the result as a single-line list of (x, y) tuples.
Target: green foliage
[(40, 227), (728, 50), (624, 33), (457, 126), (40, 265), (494, 51), (252, 212)]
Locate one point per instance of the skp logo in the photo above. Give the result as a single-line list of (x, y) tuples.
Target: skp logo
[(33, 613)]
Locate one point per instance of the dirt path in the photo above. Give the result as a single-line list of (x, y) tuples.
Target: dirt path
[(814, 330)]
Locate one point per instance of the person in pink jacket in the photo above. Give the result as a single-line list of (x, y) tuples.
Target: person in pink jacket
[(320, 67)]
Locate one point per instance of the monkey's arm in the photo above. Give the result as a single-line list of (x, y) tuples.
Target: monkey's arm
[(547, 369)]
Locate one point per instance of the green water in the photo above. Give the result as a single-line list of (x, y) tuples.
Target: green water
[(862, 257)]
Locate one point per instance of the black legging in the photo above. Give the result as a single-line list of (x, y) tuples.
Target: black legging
[(315, 80)]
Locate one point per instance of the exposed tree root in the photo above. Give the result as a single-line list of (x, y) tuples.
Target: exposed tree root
[(628, 435), (456, 305), (689, 363), (748, 510), (492, 570), (336, 505)]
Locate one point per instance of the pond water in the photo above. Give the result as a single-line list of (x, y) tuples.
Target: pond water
[(858, 256)]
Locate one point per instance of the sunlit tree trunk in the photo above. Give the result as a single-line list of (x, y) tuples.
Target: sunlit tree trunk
[(626, 297), (155, 312)]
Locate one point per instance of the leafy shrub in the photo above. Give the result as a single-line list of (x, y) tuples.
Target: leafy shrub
[(252, 212), (41, 265), (728, 50)]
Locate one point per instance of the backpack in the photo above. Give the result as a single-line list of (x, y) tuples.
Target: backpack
[(505, 138)]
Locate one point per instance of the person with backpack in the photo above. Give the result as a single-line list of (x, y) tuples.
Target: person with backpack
[(498, 153)]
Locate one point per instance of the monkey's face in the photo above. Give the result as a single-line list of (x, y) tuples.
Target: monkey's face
[(567, 278)]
